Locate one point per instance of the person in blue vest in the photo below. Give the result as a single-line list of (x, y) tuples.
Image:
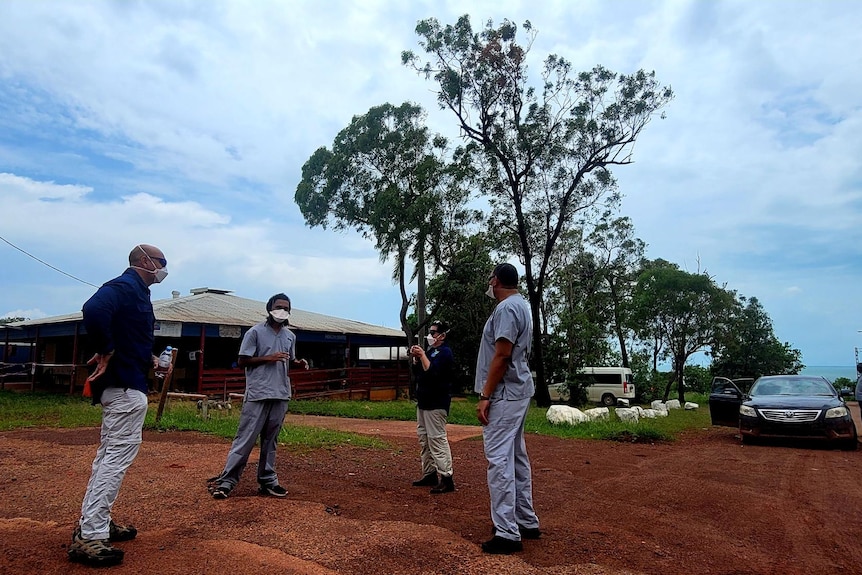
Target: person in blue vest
[(120, 325), (434, 370), (266, 352)]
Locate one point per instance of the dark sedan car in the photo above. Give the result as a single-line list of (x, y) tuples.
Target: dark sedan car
[(798, 406)]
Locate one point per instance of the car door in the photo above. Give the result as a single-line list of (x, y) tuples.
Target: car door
[(724, 401)]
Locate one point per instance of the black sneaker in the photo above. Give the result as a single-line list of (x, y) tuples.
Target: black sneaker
[(273, 490), (501, 546), (529, 532), (93, 551), (121, 532), (429, 480)]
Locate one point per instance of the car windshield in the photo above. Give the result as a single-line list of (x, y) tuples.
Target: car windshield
[(792, 386)]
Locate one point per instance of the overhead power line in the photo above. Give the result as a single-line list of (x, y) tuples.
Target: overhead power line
[(46, 263)]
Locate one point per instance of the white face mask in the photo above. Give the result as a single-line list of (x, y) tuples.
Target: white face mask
[(490, 292), (280, 315), (430, 339), (159, 273)]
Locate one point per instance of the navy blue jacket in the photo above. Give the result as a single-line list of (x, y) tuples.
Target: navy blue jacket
[(433, 386), (119, 318)]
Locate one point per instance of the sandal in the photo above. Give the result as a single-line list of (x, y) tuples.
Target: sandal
[(221, 492)]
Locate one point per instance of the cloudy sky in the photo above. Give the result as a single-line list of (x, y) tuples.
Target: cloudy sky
[(186, 124)]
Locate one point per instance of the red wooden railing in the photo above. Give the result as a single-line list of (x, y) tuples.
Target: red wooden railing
[(350, 383)]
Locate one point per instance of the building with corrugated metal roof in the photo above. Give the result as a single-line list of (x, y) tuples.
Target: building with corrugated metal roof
[(206, 328)]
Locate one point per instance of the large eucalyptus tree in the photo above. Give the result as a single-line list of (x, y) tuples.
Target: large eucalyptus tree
[(545, 148), (394, 182)]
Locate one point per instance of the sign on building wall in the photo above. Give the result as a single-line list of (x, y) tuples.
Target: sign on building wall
[(168, 328), (229, 331)]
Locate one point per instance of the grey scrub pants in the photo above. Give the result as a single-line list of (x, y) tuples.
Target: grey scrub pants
[(123, 414), (510, 480), (258, 418), (434, 449)]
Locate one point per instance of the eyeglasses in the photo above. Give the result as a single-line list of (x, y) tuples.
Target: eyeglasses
[(161, 261)]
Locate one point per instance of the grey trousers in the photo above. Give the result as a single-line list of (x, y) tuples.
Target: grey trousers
[(123, 414), (434, 449), (510, 480), (258, 419)]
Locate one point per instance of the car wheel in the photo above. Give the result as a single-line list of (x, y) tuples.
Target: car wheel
[(608, 400), (850, 444)]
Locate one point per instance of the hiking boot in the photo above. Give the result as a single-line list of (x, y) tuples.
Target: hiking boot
[(273, 490), (446, 485), (529, 532), (501, 546), (430, 480), (93, 551), (121, 532)]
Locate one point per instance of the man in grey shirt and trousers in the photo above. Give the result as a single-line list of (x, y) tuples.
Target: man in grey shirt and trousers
[(505, 386), (266, 352)]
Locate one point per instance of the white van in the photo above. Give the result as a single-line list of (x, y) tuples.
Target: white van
[(606, 385)]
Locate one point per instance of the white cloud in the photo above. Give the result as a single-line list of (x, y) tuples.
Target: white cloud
[(186, 125)]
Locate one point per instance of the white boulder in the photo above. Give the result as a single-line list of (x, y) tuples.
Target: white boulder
[(659, 405), (598, 413), (558, 414), (691, 406), (649, 413), (673, 404), (627, 414)]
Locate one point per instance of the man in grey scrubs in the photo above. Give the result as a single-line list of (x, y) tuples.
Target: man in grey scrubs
[(266, 351), (505, 386)]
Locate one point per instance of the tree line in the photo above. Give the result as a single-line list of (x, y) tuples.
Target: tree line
[(530, 179)]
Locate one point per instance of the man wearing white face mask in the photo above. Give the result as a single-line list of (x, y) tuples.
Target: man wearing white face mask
[(266, 352), (119, 321), (505, 385), (434, 370)]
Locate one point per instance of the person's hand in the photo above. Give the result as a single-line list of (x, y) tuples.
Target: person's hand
[(417, 351), (303, 363), (279, 356), (101, 360), (482, 409)]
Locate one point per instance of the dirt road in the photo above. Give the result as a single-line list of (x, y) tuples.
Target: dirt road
[(703, 504)]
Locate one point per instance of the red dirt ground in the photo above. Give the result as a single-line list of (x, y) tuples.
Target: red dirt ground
[(703, 504)]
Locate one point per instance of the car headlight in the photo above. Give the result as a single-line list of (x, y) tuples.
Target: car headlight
[(837, 412), (746, 410)]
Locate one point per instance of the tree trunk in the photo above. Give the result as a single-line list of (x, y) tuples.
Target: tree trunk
[(617, 326)]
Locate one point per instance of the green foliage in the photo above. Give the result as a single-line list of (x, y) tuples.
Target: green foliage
[(681, 312), (543, 156), (844, 382), (458, 297), (390, 179), (5, 320), (750, 349), (698, 379)]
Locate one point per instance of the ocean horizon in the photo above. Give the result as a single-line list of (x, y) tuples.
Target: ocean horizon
[(831, 372)]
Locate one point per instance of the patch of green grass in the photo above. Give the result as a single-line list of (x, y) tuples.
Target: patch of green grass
[(646, 430), (20, 410), (184, 416), (463, 411), (24, 409)]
